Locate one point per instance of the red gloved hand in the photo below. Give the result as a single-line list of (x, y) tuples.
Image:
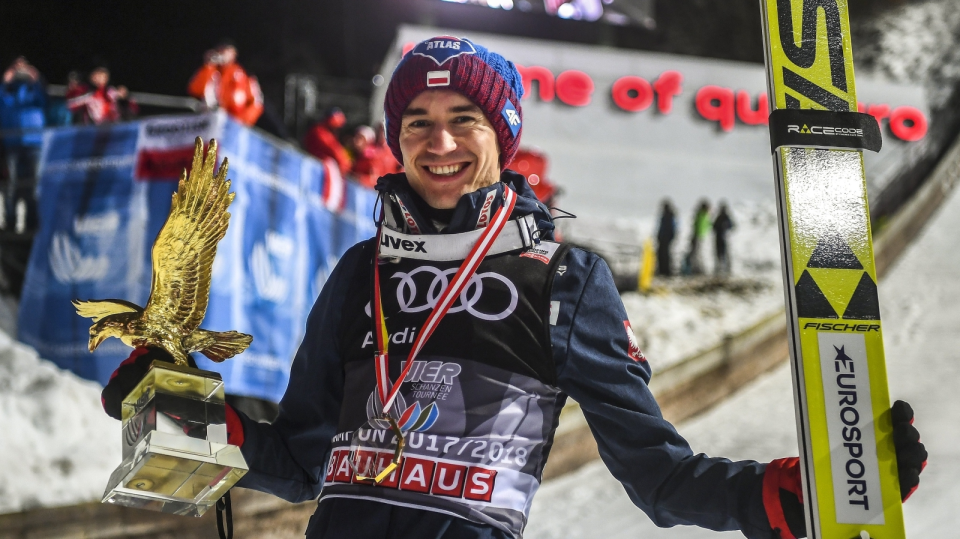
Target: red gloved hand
[(128, 375), (133, 369), (783, 495)]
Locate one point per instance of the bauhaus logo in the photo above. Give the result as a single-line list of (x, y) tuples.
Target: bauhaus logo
[(419, 474)]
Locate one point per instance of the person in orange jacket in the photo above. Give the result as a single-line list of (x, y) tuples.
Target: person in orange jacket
[(321, 140), (222, 82)]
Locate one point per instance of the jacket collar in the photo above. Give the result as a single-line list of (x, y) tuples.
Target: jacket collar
[(473, 210)]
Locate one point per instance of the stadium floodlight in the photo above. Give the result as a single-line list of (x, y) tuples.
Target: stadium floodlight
[(615, 12)]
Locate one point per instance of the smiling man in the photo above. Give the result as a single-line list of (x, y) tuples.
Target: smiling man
[(424, 398), (449, 147)]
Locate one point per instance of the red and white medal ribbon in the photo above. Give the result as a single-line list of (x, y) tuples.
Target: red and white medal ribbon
[(385, 389)]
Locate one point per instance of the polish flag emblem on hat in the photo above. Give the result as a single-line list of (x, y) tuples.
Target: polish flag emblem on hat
[(438, 78)]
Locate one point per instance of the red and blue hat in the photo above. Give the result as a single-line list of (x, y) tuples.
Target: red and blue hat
[(451, 63)]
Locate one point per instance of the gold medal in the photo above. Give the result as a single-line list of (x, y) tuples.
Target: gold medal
[(364, 467)]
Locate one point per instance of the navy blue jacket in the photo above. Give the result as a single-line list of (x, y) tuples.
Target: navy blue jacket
[(656, 466)]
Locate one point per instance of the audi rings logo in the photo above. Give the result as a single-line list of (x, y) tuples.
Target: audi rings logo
[(413, 299)]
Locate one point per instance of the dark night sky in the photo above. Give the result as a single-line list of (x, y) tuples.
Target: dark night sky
[(155, 45)]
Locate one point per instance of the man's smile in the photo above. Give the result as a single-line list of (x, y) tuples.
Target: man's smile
[(447, 173), (445, 170)]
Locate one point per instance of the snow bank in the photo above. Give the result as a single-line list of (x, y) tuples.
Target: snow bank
[(57, 447)]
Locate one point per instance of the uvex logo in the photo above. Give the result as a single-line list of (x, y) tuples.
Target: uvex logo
[(396, 243), (825, 130)]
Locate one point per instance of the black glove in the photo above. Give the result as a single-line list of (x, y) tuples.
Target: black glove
[(784, 475), (128, 375), (911, 455)]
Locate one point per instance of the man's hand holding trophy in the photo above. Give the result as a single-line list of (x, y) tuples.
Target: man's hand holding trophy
[(176, 455)]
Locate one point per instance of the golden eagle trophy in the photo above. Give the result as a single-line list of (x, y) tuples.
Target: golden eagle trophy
[(176, 458)]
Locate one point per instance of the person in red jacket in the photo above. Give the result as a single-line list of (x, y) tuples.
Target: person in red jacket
[(321, 140), (366, 163), (222, 82), (533, 164), (99, 103)]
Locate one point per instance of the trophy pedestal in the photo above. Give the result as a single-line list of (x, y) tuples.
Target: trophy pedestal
[(176, 458)]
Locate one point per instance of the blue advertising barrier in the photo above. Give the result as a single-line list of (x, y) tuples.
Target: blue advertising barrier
[(104, 194)]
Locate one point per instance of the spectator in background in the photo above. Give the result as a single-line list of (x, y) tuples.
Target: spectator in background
[(693, 262), (322, 142), (22, 102), (98, 102), (366, 160), (666, 233), (722, 225), (533, 165), (205, 83), (73, 81), (57, 111), (222, 83), (23, 99)]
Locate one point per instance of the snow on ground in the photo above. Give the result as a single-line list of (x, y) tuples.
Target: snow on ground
[(920, 302), (57, 447), (683, 316)]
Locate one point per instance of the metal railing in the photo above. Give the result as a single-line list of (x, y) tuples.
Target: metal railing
[(144, 98)]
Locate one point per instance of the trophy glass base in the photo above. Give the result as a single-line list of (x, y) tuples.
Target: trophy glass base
[(176, 458)]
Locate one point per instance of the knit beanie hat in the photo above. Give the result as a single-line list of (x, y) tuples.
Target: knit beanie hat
[(450, 63)]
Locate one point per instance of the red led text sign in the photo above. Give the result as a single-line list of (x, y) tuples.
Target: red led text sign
[(724, 106), (714, 103)]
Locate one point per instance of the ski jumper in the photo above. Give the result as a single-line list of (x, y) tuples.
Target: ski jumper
[(481, 404)]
